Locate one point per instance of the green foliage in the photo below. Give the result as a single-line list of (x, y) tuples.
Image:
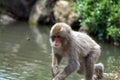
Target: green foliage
[(100, 16), (114, 32), (112, 64)]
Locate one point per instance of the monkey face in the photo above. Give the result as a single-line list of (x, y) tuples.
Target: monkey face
[(56, 41), (60, 33)]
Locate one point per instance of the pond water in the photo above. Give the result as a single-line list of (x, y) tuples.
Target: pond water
[(25, 53)]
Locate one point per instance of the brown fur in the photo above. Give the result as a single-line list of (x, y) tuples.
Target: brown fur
[(81, 50)]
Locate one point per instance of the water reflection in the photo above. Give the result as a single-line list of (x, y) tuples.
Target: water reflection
[(109, 51), (25, 53), (41, 36), (21, 58)]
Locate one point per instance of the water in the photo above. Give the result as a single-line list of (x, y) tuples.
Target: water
[(25, 53)]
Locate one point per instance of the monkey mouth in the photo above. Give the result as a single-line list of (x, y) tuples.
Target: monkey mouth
[(57, 45)]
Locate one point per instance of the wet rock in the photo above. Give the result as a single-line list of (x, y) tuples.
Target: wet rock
[(42, 12), (116, 43), (18, 9), (5, 19)]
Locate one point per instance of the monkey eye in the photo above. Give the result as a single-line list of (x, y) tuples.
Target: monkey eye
[(53, 37), (58, 36)]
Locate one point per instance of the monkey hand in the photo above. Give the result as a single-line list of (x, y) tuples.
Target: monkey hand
[(59, 76), (56, 78), (55, 71)]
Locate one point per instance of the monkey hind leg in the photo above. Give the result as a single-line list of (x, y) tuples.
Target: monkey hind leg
[(99, 70), (81, 69), (89, 67)]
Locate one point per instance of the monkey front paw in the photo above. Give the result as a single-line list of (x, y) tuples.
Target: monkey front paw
[(58, 77), (55, 79)]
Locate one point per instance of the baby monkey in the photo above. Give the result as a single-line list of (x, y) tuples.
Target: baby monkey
[(82, 52)]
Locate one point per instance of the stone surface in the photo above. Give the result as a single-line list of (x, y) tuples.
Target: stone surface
[(18, 9), (64, 13)]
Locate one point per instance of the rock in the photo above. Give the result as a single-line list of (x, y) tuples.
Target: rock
[(111, 76), (42, 12), (64, 13), (5, 19), (18, 9), (116, 43)]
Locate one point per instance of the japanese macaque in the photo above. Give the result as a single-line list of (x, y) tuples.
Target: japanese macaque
[(82, 52)]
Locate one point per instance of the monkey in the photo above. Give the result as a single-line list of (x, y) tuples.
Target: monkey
[(82, 52)]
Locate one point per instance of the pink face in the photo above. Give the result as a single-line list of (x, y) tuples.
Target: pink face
[(56, 41)]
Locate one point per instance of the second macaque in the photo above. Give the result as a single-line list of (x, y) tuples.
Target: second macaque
[(82, 52)]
